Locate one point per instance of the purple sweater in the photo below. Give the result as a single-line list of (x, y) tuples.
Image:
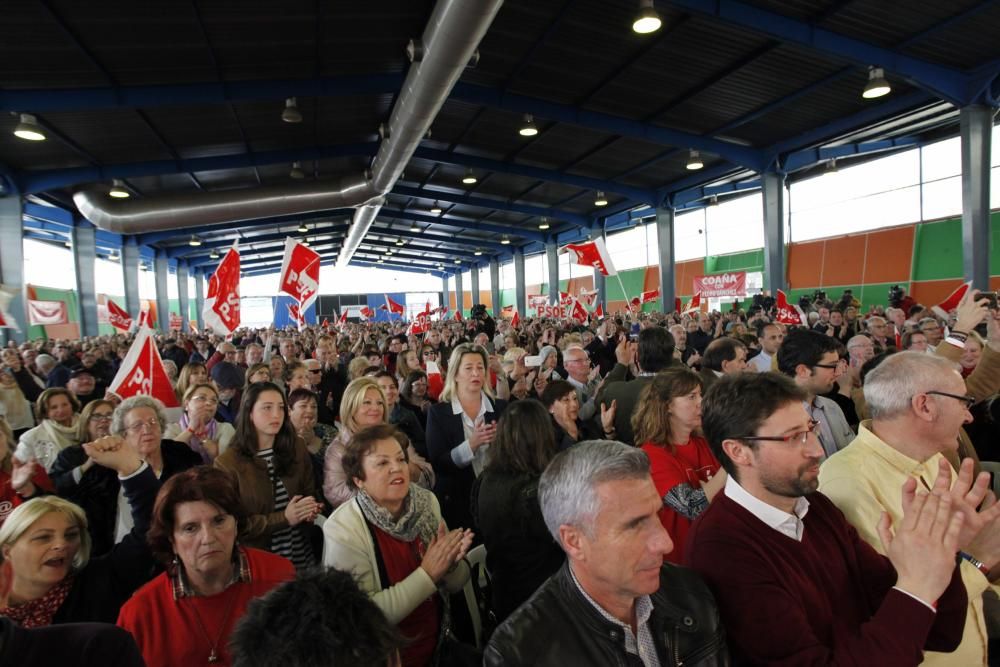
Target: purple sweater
[(827, 600)]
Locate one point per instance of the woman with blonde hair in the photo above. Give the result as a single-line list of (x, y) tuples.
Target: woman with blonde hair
[(192, 373), (460, 429), (667, 421), (363, 405)]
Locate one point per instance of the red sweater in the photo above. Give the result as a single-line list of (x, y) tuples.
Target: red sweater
[(686, 467), (166, 629), (827, 600), (9, 499)]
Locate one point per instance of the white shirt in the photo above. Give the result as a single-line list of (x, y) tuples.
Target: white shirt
[(783, 522), (762, 362), (463, 455)]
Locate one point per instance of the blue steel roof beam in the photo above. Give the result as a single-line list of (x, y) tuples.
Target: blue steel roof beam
[(539, 173), (944, 82), (438, 238), (283, 221), (53, 214), (682, 199), (42, 180), (192, 94), (564, 113), (502, 205), (465, 223), (208, 246), (167, 147), (810, 156)]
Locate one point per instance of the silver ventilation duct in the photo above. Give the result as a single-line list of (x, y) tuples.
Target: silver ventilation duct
[(448, 44)]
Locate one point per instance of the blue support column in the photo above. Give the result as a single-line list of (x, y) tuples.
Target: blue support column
[(130, 276), (520, 298), (162, 265), (495, 285), (459, 291), (199, 299), (976, 123), (182, 294), (12, 264), (84, 242), (665, 244), (444, 290), (600, 283), (774, 231), (552, 264), (474, 284)]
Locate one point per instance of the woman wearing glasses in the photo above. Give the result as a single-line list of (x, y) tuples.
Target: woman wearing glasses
[(198, 428), (137, 424), (667, 421)]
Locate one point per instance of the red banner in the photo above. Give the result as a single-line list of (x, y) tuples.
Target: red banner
[(788, 314), (141, 372), (592, 253), (46, 312), (300, 273), (222, 303), (393, 306), (117, 317), (721, 284)]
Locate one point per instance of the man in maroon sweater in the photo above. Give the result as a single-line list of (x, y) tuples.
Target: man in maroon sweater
[(794, 582)]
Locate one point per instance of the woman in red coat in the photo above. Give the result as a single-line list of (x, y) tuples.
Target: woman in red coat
[(667, 421), (186, 615)]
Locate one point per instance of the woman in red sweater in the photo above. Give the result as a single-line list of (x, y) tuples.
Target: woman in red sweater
[(667, 421), (185, 615)]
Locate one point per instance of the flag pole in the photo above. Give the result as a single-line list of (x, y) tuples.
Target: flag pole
[(628, 302)]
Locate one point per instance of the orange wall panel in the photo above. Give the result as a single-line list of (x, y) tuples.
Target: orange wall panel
[(843, 261), (932, 292), (805, 263), (486, 298), (651, 280), (889, 255), (685, 273)]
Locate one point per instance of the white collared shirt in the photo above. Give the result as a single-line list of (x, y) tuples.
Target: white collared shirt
[(639, 644), (783, 522), (463, 455)]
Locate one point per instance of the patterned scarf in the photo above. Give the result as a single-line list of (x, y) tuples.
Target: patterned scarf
[(417, 518), (197, 438), (39, 613)]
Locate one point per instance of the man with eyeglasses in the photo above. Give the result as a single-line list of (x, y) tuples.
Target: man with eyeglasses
[(810, 359), (918, 405), (795, 583)]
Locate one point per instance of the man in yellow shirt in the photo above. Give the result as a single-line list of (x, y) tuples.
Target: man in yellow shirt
[(918, 404)]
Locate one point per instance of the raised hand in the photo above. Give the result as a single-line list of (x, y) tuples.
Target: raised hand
[(112, 452), (446, 549), (301, 509), (21, 475), (980, 534), (608, 413)]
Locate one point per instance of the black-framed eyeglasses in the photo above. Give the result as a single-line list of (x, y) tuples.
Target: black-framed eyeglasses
[(799, 436), (831, 367), (968, 400)]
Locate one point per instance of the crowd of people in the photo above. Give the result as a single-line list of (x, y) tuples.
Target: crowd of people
[(707, 489)]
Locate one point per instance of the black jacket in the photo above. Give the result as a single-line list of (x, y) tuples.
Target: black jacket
[(79, 644), (26, 381), (558, 626), (453, 485), (97, 490)]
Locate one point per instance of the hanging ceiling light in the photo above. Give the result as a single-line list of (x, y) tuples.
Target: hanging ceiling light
[(458, 261), (469, 177), (29, 129), (528, 128), (302, 228), (694, 161), (291, 114), (647, 20), (305, 242), (194, 242), (118, 190), (214, 254), (713, 200), (505, 240), (400, 242), (877, 85), (478, 252), (544, 224), (600, 200), (414, 228), (436, 209), (831, 166), (296, 171), (381, 261)]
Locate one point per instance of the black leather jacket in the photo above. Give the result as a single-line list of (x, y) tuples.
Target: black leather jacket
[(558, 626)]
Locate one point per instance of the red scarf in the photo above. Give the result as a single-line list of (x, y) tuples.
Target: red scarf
[(39, 613)]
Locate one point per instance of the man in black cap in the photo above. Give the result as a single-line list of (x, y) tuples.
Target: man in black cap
[(83, 384), (229, 378)]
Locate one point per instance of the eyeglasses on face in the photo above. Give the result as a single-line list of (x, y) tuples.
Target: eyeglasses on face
[(205, 399), (832, 367), (968, 400), (140, 426), (100, 417), (799, 437)]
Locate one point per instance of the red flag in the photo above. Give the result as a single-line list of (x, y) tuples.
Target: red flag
[(367, 313), (579, 313), (394, 307), (677, 304), (599, 312), (326, 322), (787, 314), (651, 295), (141, 372), (516, 320), (7, 320), (343, 316), (899, 338), (693, 305), (565, 299), (117, 317), (222, 303), (458, 315), (592, 253), (588, 296), (295, 313), (146, 318), (635, 302), (951, 303), (300, 273)]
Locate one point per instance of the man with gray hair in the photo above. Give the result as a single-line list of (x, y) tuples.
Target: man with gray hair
[(918, 403), (615, 601)]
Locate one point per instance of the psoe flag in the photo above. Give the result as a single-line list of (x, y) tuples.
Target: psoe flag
[(592, 253), (300, 273), (118, 318), (222, 303), (142, 372)]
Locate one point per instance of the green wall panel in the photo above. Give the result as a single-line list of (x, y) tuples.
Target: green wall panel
[(633, 280), (508, 297), (751, 260), (995, 243), (937, 250)]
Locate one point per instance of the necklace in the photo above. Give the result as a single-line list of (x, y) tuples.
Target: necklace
[(212, 655)]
